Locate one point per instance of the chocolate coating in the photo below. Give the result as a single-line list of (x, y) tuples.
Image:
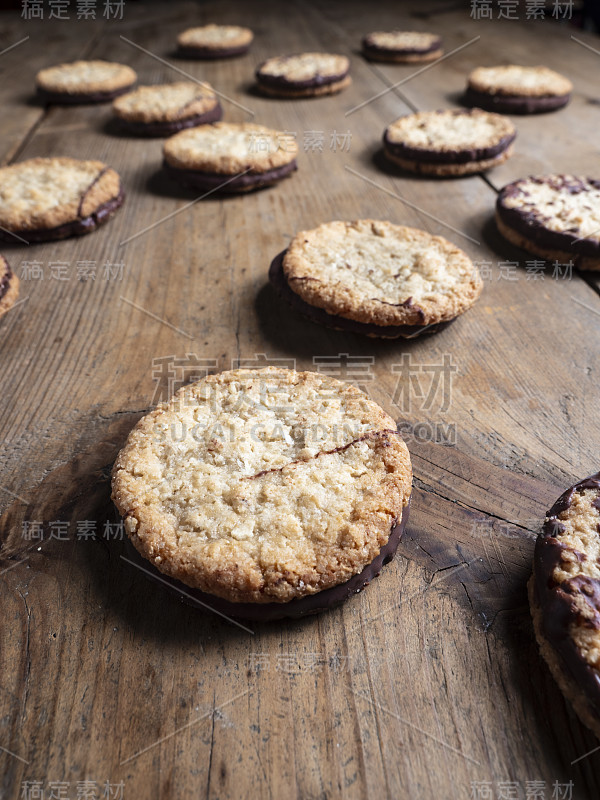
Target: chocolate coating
[(76, 228), (210, 53), (557, 601), (526, 223), (84, 98), (466, 156), (293, 609), (281, 286), (169, 127), (205, 181), (514, 104)]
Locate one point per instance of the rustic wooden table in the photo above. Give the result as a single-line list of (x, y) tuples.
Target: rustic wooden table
[(428, 684)]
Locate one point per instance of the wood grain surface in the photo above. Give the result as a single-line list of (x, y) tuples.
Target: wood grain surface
[(429, 683)]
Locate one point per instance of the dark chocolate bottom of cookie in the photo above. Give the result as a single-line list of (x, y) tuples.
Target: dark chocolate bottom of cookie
[(226, 184), (532, 229), (78, 227), (286, 85), (374, 51), (67, 99), (281, 286), (447, 156), (293, 609), (167, 128), (210, 53), (558, 602), (514, 104)]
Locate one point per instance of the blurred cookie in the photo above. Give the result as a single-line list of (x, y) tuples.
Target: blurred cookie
[(53, 198), (274, 493), (9, 287), (556, 217), (84, 82), (376, 278), (513, 89), (564, 596), (402, 47), (449, 143), (214, 41), (166, 109), (230, 157), (304, 75)]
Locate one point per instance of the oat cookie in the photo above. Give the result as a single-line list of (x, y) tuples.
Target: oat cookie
[(402, 47), (230, 157), (53, 198), (513, 89), (376, 278), (264, 488), (168, 108), (9, 287), (564, 595), (449, 143), (84, 82), (214, 41), (304, 75), (556, 217)]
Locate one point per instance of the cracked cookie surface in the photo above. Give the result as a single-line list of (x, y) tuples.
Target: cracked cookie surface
[(43, 194), (263, 485)]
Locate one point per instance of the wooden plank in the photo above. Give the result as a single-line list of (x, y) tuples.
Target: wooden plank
[(418, 686)]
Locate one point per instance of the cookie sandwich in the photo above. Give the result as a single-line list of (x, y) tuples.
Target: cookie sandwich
[(167, 108), (564, 596), (556, 217), (214, 41), (513, 89), (375, 278), (402, 47), (53, 198), (304, 75), (9, 286), (230, 157), (84, 82), (449, 143), (265, 493)]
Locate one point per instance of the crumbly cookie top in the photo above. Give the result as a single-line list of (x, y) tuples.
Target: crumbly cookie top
[(263, 485), (43, 193), (450, 130), (580, 560), (166, 102), (380, 273), (402, 40), (520, 81), (215, 36), (561, 203), (305, 66), (86, 77), (229, 148)]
